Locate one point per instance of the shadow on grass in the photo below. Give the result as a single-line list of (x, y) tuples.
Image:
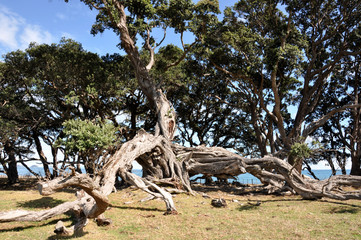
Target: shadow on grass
[(71, 220), (138, 208), (24, 184), (244, 189), (247, 207), (44, 202), (342, 203), (343, 210), (55, 237)]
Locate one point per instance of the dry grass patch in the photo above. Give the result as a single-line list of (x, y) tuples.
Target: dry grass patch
[(275, 217)]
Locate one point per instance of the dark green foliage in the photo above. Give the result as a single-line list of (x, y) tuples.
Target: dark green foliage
[(49, 84), (252, 81)]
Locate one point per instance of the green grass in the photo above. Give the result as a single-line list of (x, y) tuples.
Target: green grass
[(276, 218)]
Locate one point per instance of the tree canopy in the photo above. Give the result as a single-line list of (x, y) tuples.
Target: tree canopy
[(266, 89)]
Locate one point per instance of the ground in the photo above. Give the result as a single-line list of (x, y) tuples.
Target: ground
[(275, 217)]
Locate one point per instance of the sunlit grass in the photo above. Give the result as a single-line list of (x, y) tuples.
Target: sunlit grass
[(275, 218)]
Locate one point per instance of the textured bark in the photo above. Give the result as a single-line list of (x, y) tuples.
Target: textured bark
[(143, 144), (165, 112), (22, 215), (11, 170), (152, 189), (270, 170), (92, 200), (42, 156), (168, 165), (153, 152)]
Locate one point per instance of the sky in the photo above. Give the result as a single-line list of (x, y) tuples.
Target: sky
[(47, 21)]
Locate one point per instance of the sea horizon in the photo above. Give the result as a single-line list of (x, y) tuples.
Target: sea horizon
[(245, 178)]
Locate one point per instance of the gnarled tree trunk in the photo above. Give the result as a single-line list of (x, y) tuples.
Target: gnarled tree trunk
[(12, 170), (169, 163), (92, 200), (270, 170)]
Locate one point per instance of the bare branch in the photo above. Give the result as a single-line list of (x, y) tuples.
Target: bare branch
[(161, 41), (83, 181), (97, 7), (318, 123), (185, 52), (151, 51)]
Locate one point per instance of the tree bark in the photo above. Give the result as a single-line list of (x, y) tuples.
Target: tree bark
[(355, 165), (356, 131), (164, 110), (174, 163), (41, 154), (270, 170), (92, 200), (12, 170)]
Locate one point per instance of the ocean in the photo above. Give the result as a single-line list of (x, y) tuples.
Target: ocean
[(243, 178)]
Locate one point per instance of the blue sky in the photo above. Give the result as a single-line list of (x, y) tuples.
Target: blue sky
[(47, 21)]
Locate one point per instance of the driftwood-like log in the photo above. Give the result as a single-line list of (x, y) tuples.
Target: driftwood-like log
[(92, 199), (270, 170), (90, 203), (150, 188), (22, 215), (174, 164), (141, 145)]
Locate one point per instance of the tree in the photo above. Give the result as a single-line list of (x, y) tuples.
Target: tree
[(49, 84), (278, 59), (12, 123), (90, 141), (341, 134), (169, 163)]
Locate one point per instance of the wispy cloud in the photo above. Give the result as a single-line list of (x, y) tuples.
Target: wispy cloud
[(34, 33), (9, 27), (17, 33), (61, 16)]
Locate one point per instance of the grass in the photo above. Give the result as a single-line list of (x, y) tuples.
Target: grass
[(275, 218)]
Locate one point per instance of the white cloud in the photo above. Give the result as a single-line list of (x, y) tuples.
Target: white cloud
[(17, 33), (34, 33), (9, 27)]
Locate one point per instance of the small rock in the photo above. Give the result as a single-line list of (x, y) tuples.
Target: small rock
[(103, 221), (205, 195), (219, 202)]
